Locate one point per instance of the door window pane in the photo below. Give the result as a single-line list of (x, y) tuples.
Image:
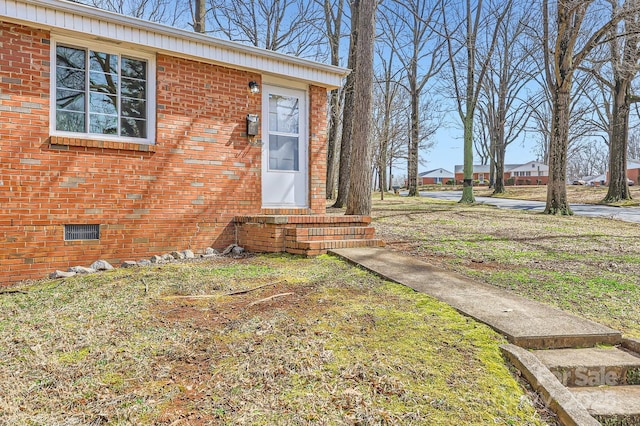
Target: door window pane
[(283, 114), (283, 153)]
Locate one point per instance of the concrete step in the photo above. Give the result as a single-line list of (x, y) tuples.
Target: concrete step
[(611, 405), (592, 366), (330, 233)]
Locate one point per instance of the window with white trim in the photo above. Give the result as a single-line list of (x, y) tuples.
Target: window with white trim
[(103, 93)]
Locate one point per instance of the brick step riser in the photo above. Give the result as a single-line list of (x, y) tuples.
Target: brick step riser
[(320, 234), (597, 375), (306, 246)]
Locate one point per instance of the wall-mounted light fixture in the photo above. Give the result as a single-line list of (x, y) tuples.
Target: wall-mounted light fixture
[(254, 87)]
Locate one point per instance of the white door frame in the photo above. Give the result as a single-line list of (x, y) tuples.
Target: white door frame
[(285, 188)]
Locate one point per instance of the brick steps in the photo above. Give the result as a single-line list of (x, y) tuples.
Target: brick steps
[(308, 235)]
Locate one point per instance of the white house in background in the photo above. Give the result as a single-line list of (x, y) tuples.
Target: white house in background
[(435, 176), (533, 170)]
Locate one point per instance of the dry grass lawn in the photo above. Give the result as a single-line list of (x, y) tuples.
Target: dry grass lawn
[(587, 266), (312, 342)]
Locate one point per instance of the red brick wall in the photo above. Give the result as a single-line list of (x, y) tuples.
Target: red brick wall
[(317, 149), (181, 193)]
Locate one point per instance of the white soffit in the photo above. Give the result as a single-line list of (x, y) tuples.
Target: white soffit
[(72, 18)]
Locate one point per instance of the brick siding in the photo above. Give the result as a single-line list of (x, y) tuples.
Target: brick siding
[(183, 192)]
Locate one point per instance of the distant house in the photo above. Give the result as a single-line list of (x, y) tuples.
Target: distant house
[(595, 180), (480, 173), (530, 173), (435, 177), (633, 171)]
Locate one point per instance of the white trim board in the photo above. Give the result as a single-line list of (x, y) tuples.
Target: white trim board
[(75, 19)]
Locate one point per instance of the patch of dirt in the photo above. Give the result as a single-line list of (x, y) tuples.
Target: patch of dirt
[(193, 405)]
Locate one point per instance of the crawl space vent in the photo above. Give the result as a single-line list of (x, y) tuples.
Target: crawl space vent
[(81, 232)]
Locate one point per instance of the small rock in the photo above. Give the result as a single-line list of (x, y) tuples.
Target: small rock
[(128, 264), (237, 250), (81, 270), (208, 256), (167, 257), (155, 259), (177, 255), (188, 254), (61, 274), (144, 262), (101, 265), (228, 249), (210, 250)]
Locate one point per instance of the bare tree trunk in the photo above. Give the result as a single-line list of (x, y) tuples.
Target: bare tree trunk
[(414, 135), (344, 173), (618, 186), (333, 25), (492, 164), (556, 188), (467, 168), (561, 62), (359, 200), (332, 142), (499, 182), (199, 16)]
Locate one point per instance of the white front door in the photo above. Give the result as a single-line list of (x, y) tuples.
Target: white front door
[(284, 148)]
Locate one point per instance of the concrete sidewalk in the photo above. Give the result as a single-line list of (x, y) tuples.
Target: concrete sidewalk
[(524, 322)]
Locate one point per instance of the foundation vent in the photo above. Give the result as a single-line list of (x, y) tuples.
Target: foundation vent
[(81, 232)]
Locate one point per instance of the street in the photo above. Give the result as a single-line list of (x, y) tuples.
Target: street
[(627, 214)]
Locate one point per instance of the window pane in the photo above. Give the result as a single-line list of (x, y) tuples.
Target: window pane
[(70, 100), (70, 78), (133, 68), (283, 153), (70, 57), (103, 124), (68, 121), (283, 114), (134, 108), (133, 128), (103, 104), (116, 95), (103, 83), (134, 88), (104, 62)]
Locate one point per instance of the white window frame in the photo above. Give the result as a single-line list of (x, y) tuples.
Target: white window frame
[(111, 49)]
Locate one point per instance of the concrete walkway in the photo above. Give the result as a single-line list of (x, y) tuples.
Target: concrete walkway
[(524, 322)]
